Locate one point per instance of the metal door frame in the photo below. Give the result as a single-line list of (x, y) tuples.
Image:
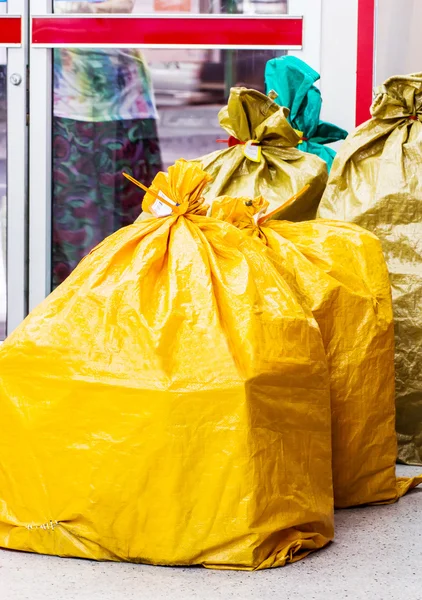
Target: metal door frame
[(17, 168)]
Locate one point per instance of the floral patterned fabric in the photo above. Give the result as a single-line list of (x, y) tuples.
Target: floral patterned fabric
[(91, 198), (102, 85)]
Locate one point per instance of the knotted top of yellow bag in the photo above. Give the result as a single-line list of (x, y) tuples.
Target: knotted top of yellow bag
[(399, 97), (248, 213), (241, 212), (251, 115), (177, 192)]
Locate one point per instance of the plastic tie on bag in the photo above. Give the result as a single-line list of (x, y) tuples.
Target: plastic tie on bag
[(286, 204), (251, 149), (184, 198), (231, 141), (302, 137), (163, 205)]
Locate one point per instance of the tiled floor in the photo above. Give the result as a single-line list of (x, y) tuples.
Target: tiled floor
[(377, 555)]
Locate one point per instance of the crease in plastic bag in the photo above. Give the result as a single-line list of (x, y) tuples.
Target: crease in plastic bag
[(340, 271), (375, 182), (168, 403)]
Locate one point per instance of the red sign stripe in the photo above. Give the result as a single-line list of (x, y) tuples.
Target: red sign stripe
[(10, 30), (236, 31), (365, 59)]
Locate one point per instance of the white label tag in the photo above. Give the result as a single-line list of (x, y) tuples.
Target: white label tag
[(251, 151), (260, 214), (160, 209)]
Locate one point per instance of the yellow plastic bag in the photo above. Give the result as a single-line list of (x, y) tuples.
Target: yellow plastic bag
[(341, 273), (169, 403), (376, 182), (263, 157)]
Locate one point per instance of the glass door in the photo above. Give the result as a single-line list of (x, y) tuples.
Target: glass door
[(131, 85), (89, 88), (13, 163)]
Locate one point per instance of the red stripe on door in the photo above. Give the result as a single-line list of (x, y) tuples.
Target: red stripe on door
[(10, 31), (365, 59), (235, 31)]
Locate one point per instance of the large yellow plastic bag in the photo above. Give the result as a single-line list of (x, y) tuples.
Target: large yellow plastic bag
[(341, 272), (376, 182), (273, 167), (169, 403)]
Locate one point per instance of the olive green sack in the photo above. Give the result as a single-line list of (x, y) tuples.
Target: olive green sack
[(282, 170), (376, 182)]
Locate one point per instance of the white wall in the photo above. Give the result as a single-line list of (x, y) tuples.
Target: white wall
[(330, 47), (338, 61), (398, 38)]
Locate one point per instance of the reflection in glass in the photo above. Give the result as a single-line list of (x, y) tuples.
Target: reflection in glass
[(118, 110), (104, 122)]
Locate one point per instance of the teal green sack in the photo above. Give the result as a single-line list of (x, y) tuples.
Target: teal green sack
[(294, 82)]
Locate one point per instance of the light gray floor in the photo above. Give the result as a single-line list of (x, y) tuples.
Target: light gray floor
[(377, 555)]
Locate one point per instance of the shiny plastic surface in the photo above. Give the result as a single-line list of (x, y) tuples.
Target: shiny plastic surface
[(376, 183), (282, 171), (168, 403), (341, 273), (294, 83)]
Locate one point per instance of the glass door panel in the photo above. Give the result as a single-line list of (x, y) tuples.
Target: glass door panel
[(130, 110), (130, 91), (13, 153)]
